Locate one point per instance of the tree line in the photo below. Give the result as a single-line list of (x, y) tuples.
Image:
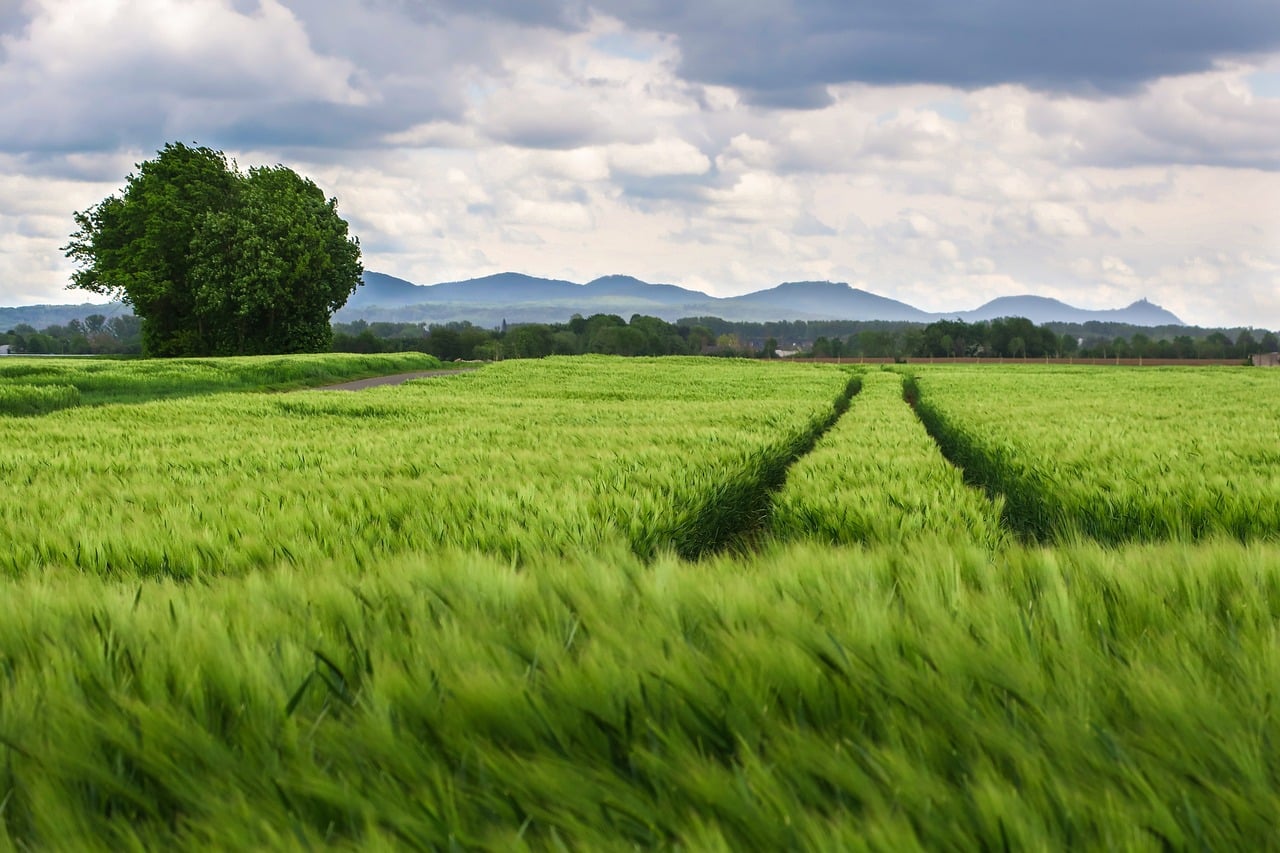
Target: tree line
[(606, 334), (649, 336), (1018, 337), (94, 335), (1011, 337), (1008, 337)]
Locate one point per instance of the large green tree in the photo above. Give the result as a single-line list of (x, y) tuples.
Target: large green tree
[(216, 261)]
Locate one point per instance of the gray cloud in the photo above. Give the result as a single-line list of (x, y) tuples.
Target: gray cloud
[(89, 168), (558, 14), (12, 20), (1085, 46), (656, 193), (529, 126), (302, 125), (785, 53), (782, 52)]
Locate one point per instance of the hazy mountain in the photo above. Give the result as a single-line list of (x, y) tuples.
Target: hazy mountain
[(43, 316), (519, 298), (386, 290), (510, 288), (1040, 310), (522, 298), (502, 288), (826, 300), (627, 287)]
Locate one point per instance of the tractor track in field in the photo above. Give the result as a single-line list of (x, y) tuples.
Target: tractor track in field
[(393, 379)]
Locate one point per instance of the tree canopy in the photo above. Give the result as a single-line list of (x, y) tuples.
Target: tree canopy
[(216, 261)]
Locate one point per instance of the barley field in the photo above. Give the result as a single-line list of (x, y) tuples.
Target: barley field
[(598, 603), (32, 386), (1115, 456), (878, 477)]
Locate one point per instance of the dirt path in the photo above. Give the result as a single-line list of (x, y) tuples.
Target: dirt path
[(394, 379)]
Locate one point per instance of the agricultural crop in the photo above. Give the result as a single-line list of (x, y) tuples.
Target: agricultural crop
[(1161, 453), (920, 696), (593, 604), (30, 386), (37, 399), (877, 476), (514, 459)]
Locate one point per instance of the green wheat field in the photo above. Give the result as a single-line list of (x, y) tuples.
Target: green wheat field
[(598, 603)]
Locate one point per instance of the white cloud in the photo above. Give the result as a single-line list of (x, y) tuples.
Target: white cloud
[(112, 66), (436, 134), (909, 135), (1057, 220), (564, 216), (1210, 118), (744, 152), (920, 225), (661, 157), (754, 197)]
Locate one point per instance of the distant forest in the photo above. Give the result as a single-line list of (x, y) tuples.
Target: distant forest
[(641, 335), (96, 334), (610, 334)]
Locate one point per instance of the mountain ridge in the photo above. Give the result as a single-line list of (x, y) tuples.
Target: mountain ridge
[(520, 298), (1044, 309), (523, 298), (43, 315)]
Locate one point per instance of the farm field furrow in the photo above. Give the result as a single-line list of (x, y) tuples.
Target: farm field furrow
[(878, 477), (918, 696), (516, 459), (1115, 455)]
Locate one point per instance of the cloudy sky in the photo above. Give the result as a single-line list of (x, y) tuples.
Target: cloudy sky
[(939, 152)]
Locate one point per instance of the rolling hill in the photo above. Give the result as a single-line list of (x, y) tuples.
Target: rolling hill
[(40, 316), (1040, 310), (520, 298)]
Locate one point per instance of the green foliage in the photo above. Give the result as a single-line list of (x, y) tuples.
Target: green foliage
[(602, 334), (1012, 337), (274, 270), (1006, 337), (218, 262)]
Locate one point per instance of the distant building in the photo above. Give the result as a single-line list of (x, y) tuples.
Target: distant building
[(4, 349), (1266, 359)]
